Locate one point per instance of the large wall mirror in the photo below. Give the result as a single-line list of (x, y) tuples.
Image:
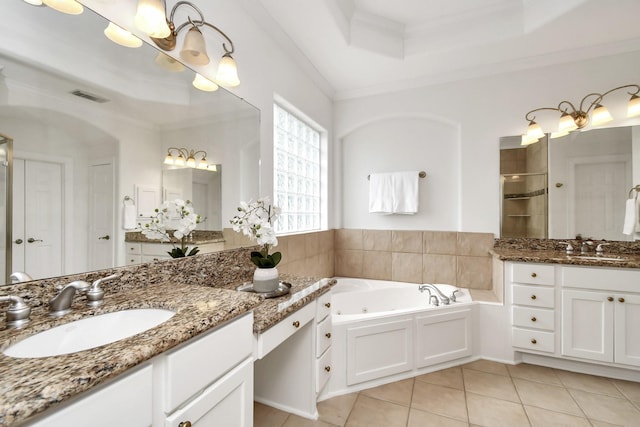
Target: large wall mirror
[(574, 185), (91, 122)]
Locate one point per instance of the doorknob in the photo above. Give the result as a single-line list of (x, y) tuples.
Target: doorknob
[(105, 237), (32, 240), (18, 241)]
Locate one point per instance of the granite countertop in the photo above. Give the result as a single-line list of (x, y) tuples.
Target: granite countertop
[(625, 260), (198, 237), (198, 309)]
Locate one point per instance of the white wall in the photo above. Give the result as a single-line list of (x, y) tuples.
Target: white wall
[(483, 110)]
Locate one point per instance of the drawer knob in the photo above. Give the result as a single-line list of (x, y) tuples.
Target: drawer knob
[(534, 275), (533, 296), (327, 304), (185, 424), (609, 299), (621, 299), (327, 368), (328, 335), (533, 319), (296, 324), (533, 341)]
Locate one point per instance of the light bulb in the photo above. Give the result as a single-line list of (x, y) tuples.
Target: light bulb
[(600, 115), (227, 72)]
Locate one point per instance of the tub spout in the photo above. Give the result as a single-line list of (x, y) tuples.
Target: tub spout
[(440, 296)]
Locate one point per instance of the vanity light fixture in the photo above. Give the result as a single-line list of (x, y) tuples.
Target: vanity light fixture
[(168, 63), (188, 158), (71, 7), (573, 118), (151, 18), (121, 36), (203, 83)]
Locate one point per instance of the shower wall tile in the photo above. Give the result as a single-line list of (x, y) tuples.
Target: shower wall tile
[(377, 265), (475, 272), (474, 244), (348, 239), (439, 269), (439, 242), (406, 241), (349, 263), (406, 267), (376, 240)]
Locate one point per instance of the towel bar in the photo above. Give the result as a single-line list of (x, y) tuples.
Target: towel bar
[(636, 189), (128, 199), (421, 174)]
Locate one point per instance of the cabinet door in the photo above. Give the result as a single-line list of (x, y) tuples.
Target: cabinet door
[(627, 335), (443, 337), (587, 325)]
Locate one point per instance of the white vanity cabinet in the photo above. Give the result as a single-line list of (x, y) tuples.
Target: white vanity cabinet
[(601, 315), (323, 341), (533, 306)]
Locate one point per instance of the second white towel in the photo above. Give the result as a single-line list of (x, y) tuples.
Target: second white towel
[(631, 217), (393, 193)]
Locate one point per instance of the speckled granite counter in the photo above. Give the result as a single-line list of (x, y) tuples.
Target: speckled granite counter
[(198, 237), (627, 260)]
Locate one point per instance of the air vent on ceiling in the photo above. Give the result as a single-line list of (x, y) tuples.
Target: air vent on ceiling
[(89, 96)]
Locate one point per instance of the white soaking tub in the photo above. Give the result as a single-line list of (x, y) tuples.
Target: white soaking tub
[(383, 331)]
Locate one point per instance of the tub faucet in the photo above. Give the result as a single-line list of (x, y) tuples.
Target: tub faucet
[(441, 297), (61, 303)]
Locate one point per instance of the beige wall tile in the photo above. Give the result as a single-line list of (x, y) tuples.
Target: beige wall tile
[(406, 241), (406, 267), (296, 247), (498, 279), (474, 272), (439, 269), (377, 265), (474, 244), (439, 242), (348, 239), (311, 244), (349, 263), (325, 240), (376, 240)]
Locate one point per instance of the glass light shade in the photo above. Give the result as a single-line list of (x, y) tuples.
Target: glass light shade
[(151, 19), (191, 162), (600, 115), (34, 2), (558, 134), (169, 159), (71, 7), (203, 164), (203, 83), (168, 63), (527, 140), (534, 131), (212, 168), (179, 161), (634, 106), (566, 123), (121, 36), (227, 72), (194, 50)]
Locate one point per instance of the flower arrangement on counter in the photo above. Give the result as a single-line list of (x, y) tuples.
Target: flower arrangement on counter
[(177, 216), (255, 220)]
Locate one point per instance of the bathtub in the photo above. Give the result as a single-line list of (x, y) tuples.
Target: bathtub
[(384, 331)]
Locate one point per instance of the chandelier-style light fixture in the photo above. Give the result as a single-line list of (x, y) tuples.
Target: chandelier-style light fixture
[(152, 19), (71, 7), (184, 157), (572, 118)]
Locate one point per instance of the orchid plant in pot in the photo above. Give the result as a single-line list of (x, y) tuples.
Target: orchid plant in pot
[(177, 216), (255, 220)]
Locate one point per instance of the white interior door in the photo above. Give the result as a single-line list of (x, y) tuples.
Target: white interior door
[(38, 218), (101, 219)]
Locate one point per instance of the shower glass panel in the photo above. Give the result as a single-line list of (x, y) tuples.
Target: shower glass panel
[(6, 157), (524, 205)]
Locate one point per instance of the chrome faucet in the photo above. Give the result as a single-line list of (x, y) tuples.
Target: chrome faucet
[(18, 312), (584, 248), (429, 287), (19, 276), (95, 295), (600, 249), (61, 303)]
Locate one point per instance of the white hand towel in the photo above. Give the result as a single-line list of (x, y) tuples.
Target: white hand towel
[(380, 193), (630, 217), (129, 217), (405, 192)]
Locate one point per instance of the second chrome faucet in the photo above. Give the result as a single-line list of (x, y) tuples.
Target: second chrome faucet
[(60, 304)]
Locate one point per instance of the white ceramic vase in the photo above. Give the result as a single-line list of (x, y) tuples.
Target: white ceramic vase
[(265, 279)]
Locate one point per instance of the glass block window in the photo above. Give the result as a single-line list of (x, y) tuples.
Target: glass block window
[(296, 172)]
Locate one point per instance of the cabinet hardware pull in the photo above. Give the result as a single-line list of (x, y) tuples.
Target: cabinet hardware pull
[(533, 319), (533, 341), (534, 275), (328, 335), (32, 240), (533, 296), (185, 424), (327, 368), (18, 242), (327, 304), (105, 237), (621, 299), (609, 298), (296, 324)]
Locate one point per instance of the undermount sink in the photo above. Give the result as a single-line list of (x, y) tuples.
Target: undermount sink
[(89, 332)]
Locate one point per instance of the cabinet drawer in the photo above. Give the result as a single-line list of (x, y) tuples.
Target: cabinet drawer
[(133, 248), (535, 274), (324, 306), (200, 363), (288, 326), (133, 259), (534, 296), (534, 340), (323, 336), (537, 318), (323, 370)]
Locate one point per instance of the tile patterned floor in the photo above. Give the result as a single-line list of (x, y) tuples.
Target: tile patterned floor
[(481, 393)]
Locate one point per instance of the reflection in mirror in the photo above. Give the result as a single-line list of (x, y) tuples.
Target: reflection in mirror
[(91, 123), (590, 174)]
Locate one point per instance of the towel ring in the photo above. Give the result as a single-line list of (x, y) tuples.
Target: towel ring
[(636, 189), (128, 199)]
